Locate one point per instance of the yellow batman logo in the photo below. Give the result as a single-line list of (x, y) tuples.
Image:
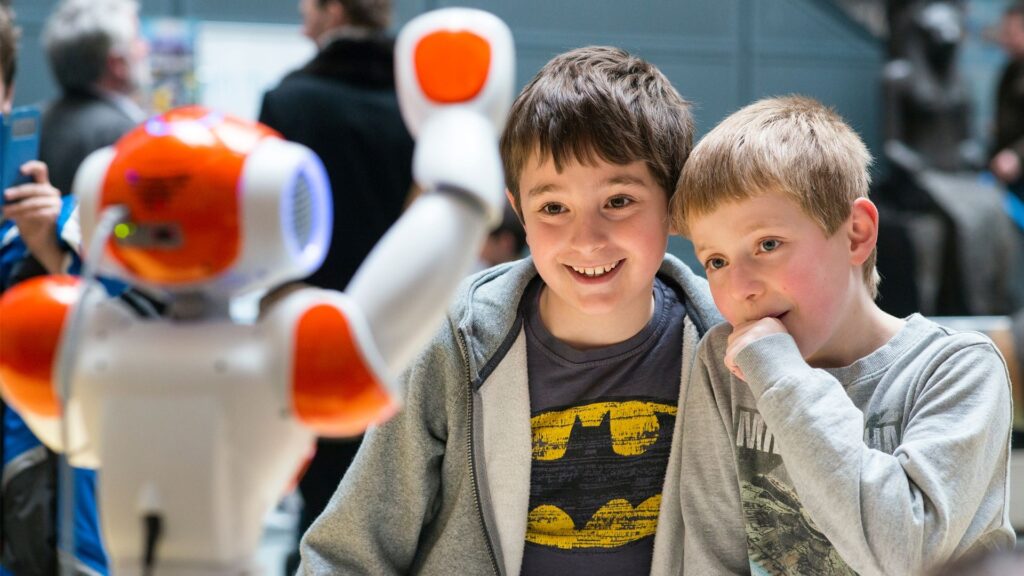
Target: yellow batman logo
[(634, 427), (597, 473), (614, 524)]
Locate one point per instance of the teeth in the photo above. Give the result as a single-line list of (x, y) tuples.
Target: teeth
[(597, 271)]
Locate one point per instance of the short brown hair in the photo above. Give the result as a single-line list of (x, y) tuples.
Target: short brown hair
[(791, 144), (8, 47), (598, 101), (373, 14)]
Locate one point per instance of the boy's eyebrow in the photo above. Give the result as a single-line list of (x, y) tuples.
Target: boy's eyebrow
[(624, 179), (617, 180), (755, 226), (540, 189), (699, 247)]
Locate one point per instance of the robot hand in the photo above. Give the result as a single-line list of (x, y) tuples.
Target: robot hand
[(454, 71)]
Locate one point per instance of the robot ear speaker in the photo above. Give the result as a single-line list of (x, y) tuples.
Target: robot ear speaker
[(32, 318), (452, 66)]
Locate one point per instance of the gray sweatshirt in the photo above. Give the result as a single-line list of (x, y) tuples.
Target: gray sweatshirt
[(443, 487), (890, 465)]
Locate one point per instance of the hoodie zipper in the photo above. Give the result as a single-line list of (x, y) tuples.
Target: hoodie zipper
[(472, 458)]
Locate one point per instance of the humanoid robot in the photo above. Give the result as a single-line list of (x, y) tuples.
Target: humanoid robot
[(198, 422)]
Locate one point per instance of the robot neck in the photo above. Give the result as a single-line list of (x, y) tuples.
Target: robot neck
[(192, 306)]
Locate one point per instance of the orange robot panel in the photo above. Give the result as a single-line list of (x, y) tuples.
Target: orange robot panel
[(334, 390), (32, 316), (452, 66)]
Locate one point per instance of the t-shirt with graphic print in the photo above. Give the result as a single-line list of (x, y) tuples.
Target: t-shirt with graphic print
[(889, 465), (602, 422)]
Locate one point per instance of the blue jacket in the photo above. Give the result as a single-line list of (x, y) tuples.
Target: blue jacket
[(30, 525)]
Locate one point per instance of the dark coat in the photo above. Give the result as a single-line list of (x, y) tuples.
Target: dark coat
[(1009, 122), (343, 106), (74, 126)]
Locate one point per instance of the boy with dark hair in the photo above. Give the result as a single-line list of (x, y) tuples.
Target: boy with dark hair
[(539, 423), (822, 435)]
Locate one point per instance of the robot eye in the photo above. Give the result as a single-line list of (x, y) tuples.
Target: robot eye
[(165, 235), (452, 66)]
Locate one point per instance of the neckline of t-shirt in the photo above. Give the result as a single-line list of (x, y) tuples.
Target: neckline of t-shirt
[(563, 352)]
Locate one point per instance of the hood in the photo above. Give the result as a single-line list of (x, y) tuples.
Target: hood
[(487, 314)]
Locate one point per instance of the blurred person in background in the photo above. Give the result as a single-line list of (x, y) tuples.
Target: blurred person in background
[(1008, 147), (342, 104), (100, 60), (505, 243)]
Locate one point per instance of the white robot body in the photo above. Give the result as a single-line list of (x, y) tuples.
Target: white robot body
[(208, 445)]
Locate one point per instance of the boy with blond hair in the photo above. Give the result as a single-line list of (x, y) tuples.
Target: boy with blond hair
[(822, 435), (538, 424)]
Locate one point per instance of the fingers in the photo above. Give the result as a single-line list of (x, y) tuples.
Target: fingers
[(746, 334), (37, 171), (31, 190), (31, 203), (730, 364)]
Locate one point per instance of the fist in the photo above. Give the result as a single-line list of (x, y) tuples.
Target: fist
[(747, 333)]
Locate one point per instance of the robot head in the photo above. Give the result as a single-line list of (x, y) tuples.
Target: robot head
[(216, 204), (455, 56)]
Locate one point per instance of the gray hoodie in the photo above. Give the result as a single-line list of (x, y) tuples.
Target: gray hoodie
[(443, 488)]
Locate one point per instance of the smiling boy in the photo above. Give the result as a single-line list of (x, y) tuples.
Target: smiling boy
[(539, 423), (822, 435)]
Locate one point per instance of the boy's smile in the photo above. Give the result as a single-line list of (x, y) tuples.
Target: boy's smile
[(597, 234), (598, 273), (764, 257)]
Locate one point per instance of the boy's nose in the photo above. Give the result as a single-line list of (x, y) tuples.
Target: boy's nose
[(589, 234), (744, 285)]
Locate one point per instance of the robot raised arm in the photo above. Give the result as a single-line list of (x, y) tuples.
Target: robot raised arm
[(454, 71)]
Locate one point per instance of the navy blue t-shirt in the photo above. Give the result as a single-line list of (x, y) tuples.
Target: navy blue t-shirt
[(602, 422)]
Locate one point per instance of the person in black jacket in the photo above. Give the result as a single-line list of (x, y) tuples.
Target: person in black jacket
[(1008, 147), (342, 105)]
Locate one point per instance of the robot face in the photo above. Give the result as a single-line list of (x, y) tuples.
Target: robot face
[(179, 175)]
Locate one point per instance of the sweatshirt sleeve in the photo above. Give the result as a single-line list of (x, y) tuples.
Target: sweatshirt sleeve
[(714, 539), (891, 513), (373, 523)]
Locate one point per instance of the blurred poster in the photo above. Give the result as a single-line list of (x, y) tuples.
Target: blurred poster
[(236, 63), (172, 62)]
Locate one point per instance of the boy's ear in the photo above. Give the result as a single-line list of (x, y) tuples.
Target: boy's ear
[(512, 203), (863, 230)]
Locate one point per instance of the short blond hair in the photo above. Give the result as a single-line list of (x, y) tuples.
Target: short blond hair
[(790, 144)]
